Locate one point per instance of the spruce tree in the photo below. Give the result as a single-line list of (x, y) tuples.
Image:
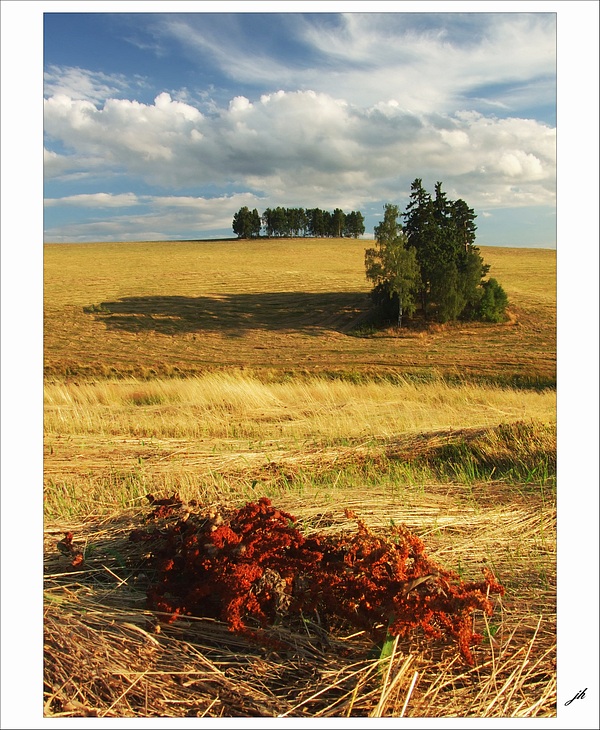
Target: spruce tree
[(450, 269)]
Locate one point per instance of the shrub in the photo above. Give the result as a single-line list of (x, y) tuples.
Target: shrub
[(252, 567), (493, 303)]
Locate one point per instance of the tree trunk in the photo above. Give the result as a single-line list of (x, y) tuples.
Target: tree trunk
[(399, 310)]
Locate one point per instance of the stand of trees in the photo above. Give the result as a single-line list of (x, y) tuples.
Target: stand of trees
[(291, 222), (430, 262), (246, 223)]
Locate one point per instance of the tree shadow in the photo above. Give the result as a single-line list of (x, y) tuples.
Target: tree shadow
[(233, 314)]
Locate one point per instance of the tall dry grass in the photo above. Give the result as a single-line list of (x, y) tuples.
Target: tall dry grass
[(225, 405)]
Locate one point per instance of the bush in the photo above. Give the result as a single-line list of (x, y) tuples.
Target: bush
[(492, 307), (253, 567)]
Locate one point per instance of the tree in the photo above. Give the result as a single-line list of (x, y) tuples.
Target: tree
[(327, 223), (392, 265), (421, 230), (256, 223), (338, 220), (450, 270), (297, 221), (471, 270), (354, 225), (246, 224), (494, 301), (280, 221), (268, 222), (316, 224), (463, 218), (446, 292)]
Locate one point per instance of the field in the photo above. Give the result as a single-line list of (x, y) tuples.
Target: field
[(294, 306), (227, 371)]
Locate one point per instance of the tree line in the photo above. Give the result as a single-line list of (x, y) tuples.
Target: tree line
[(292, 222), (425, 259)]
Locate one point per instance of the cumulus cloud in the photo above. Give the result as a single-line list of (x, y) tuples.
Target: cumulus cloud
[(54, 164), (298, 144), (356, 108), (239, 103), (144, 139)]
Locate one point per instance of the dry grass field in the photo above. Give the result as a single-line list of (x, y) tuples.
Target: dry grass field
[(228, 371), (279, 306)]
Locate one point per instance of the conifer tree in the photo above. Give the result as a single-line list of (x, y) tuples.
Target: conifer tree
[(392, 264), (450, 269)]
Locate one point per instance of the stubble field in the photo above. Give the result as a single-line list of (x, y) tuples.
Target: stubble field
[(228, 371), (149, 309)]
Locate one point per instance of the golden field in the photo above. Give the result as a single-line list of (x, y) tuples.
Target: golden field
[(225, 371), (147, 309)]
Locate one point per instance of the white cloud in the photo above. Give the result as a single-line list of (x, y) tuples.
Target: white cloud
[(75, 166), (80, 83), (455, 138), (139, 138), (239, 104), (301, 145), (503, 59), (520, 165), (95, 200), (157, 219), (375, 102), (428, 70), (55, 164)]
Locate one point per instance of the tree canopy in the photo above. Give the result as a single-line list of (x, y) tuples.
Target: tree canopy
[(392, 265), (432, 259), (292, 222), (246, 224)]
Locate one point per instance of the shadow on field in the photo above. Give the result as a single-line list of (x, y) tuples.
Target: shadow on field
[(234, 313)]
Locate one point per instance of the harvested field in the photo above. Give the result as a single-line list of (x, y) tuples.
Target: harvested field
[(278, 308), (225, 372), (105, 658)]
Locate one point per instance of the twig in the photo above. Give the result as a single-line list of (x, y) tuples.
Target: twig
[(120, 697)]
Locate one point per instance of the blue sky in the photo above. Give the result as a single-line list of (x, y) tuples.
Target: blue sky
[(162, 125)]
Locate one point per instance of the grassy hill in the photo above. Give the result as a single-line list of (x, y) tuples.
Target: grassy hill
[(275, 306)]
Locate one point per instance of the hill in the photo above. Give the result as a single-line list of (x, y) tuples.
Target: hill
[(275, 306)]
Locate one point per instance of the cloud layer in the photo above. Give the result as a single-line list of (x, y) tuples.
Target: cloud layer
[(301, 146)]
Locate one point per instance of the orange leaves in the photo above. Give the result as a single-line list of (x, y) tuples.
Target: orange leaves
[(256, 565), (223, 536), (66, 547)]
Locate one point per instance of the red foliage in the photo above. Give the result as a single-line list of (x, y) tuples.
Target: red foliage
[(67, 548), (257, 565), (164, 507)]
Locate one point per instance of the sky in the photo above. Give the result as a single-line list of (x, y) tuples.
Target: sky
[(162, 125)]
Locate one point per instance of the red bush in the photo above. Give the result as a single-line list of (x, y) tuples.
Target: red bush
[(257, 565)]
